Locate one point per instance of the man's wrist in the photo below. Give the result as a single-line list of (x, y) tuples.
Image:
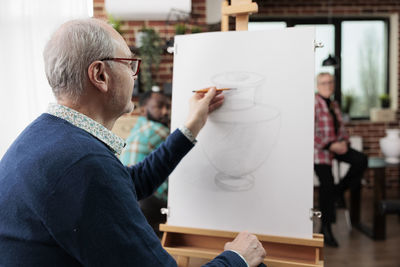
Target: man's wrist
[(193, 126), (240, 256), (188, 133)]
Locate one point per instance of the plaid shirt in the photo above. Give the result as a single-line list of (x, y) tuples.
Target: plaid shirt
[(325, 130), (144, 137)]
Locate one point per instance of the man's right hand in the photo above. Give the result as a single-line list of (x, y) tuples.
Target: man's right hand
[(200, 105), (249, 247), (339, 147)]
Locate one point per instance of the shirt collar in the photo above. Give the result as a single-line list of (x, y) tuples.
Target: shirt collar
[(114, 142)]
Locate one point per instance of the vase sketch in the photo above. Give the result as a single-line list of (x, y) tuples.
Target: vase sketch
[(390, 146), (240, 135)]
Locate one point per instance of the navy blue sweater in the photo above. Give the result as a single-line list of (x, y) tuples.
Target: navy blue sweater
[(66, 200)]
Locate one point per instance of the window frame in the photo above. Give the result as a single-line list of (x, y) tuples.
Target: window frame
[(336, 21)]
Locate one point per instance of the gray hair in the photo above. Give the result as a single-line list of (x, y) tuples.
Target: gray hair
[(69, 53)]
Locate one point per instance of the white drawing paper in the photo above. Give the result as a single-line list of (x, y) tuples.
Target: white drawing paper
[(252, 168)]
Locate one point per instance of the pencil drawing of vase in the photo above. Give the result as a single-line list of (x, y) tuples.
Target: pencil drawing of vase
[(239, 136)]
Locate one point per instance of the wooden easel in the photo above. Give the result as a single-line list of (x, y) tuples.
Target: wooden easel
[(241, 10), (186, 243)]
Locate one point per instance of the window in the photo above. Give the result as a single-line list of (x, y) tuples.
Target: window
[(364, 64), (361, 48)]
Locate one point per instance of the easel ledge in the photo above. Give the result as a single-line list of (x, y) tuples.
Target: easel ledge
[(185, 243)]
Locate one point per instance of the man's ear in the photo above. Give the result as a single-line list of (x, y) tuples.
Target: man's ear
[(98, 75)]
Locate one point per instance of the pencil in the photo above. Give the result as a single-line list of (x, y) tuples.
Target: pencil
[(205, 90)]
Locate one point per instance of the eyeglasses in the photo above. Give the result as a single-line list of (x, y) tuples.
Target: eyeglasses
[(134, 62), (326, 83)]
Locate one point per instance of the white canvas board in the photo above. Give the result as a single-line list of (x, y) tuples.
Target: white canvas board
[(252, 168)]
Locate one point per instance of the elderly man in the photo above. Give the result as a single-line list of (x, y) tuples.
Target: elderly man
[(65, 198), (332, 141)]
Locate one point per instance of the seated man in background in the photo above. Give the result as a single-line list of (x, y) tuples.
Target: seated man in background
[(332, 141), (65, 197), (150, 130)]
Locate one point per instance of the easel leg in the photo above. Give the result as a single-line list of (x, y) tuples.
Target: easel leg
[(242, 22), (224, 19), (183, 261)]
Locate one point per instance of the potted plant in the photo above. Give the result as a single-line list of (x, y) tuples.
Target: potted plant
[(385, 100), (115, 23), (195, 29), (150, 51), (347, 102), (180, 28)]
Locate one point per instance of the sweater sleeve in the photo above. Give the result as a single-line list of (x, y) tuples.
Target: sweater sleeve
[(93, 214), (227, 258), (150, 173)]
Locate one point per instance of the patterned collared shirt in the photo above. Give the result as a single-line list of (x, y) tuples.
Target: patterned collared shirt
[(114, 142), (144, 137), (324, 130)]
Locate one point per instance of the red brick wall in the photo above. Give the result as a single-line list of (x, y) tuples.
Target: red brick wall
[(370, 132)]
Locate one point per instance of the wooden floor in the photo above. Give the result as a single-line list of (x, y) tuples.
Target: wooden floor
[(356, 249)]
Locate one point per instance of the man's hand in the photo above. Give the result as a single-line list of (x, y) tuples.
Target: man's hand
[(200, 106), (249, 247), (339, 147)]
